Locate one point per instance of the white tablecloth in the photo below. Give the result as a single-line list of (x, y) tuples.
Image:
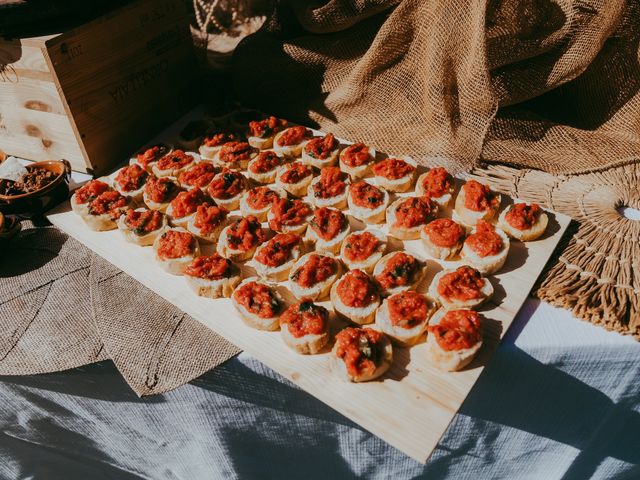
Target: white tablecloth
[(560, 400)]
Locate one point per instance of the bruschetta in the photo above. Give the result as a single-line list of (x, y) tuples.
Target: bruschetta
[(329, 189), (212, 143), (142, 226), (397, 272), (487, 248), (238, 240), (158, 193), (294, 178), (129, 182), (264, 167), (274, 259), (407, 216), (258, 201), (367, 202), (104, 211), (524, 222), (235, 155), (356, 160), (227, 188), (258, 303), (464, 287), (313, 275), (262, 132), (289, 142), (361, 354), (183, 208), (207, 222), (395, 174), (404, 317), (454, 338), (148, 156), (442, 238), (476, 201), (304, 327), (174, 163), (321, 152), (327, 229), (362, 250), (289, 216), (354, 296), (438, 185), (175, 249), (212, 276), (83, 196), (198, 176)]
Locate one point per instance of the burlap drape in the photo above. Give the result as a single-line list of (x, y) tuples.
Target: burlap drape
[(551, 85)]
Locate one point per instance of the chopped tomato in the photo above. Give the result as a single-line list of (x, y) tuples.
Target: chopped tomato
[(234, 152), (212, 267), (327, 222), (414, 211), (321, 147), (400, 270), (227, 184), (160, 190), (186, 203), (356, 289), (143, 222), (305, 318), (174, 160), (109, 202), (407, 309), (360, 246), (258, 299), (267, 127), (464, 283), (316, 269), (89, 191), (479, 197), (209, 217), (522, 216), (485, 241), (293, 136), (176, 244), (131, 178), (295, 172), (360, 349), (245, 233), (261, 197), (393, 168), (444, 232), (265, 162), (288, 213), (151, 154), (331, 184), (200, 175), (278, 250), (437, 182), (457, 330), (365, 195), (220, 138), (356, 155)]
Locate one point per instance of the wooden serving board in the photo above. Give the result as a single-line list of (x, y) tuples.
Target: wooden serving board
[(411, 406)]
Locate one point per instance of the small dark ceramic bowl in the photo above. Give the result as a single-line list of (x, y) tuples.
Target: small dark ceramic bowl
[(34, 203)]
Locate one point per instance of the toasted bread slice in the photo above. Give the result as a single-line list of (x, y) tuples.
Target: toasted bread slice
[(490, 263), (175, 266), (359, 171), (448, 360), (143, 239), (470, 217), (369, 263), (253, 320), (339, 367), (402, 336), (486, 293), (526, 235), (360, 315), (320, 289)]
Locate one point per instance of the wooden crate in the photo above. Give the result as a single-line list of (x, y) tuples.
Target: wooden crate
[(94, 93)]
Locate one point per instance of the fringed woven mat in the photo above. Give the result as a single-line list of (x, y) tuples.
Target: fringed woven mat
[(597, 273)]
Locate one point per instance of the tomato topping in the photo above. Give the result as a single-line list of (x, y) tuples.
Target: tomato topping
[(393, 168), (143, 222), (296, 172), (327, 222), (160, 190), (258, 299), (131, 178), (293, 136), (288, 213), (414, 211), (407, 309), (305, 318), (176, 244), (209, 217), (89, 191), (265, 162), (479, 197), (227, 184), (278, 250), (174, 160), (464, 283), (356, 155), (110, 202), (360, 246), (233, 152), (199, 175), (261, 197), (444, 232), (485, 240), (522, 216), (331, 184), (321, 147), (365, 195), (267, 127), (356, 289), (360, 349), (437, 182), (151, 154), (401, 269), (220, 138), (186, 203), (212, 267), (457, 330), (245, 233), (316, 269)]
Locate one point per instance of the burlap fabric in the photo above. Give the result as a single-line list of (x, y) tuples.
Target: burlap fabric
[(551, 85), (61, 306)]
